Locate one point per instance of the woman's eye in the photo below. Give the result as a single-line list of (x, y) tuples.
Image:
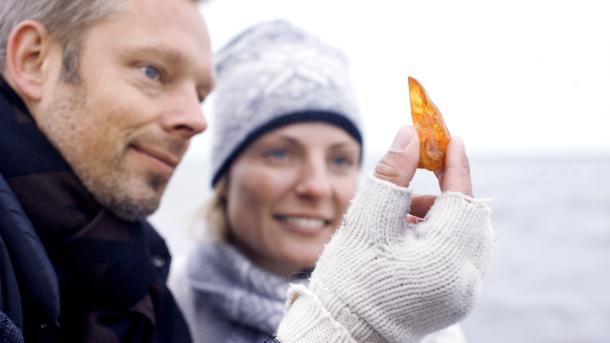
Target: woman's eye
[(276, 154), (151, 72), (342, 162)]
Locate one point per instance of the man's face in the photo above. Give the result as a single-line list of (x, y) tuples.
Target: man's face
[(127, 123)]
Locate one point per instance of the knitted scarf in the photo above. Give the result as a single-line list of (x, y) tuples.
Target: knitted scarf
[(232, 293), (110, 289)]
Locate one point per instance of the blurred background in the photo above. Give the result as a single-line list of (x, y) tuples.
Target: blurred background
[(526, 84)]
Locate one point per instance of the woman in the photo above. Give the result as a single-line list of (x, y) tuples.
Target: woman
[(286, 153)]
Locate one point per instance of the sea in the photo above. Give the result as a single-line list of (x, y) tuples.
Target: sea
[(549, 280)]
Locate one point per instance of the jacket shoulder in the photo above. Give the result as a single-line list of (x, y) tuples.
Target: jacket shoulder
[(26, 272)]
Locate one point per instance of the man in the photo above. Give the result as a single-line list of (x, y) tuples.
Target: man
[(103, 106), (99, 100)]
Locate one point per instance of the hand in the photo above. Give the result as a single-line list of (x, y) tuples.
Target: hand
[(399, 164), (380, 279)]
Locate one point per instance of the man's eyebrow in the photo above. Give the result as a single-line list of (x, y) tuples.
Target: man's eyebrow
[(171, 55)]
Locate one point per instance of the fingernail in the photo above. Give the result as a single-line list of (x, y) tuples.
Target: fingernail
[(402, 139)]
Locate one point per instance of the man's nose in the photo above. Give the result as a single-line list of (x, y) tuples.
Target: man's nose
[(187, 117)]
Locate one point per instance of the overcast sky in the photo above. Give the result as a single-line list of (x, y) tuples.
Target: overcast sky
[(509, 76)]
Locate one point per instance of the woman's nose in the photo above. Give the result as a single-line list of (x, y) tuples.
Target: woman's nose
[(314, 181)]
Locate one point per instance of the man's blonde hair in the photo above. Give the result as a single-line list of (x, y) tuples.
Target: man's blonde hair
[(67, 20)]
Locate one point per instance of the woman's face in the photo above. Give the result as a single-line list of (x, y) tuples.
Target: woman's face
[(287, 193)]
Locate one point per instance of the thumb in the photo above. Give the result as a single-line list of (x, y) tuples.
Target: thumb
[(400, 162), (456, 175)]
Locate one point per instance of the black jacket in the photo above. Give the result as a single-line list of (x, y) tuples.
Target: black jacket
[(27, 279)]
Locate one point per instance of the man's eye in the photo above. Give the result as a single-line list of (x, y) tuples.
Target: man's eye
[(151, 72)]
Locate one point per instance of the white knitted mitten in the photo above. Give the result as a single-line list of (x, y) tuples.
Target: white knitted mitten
[(380, 279)]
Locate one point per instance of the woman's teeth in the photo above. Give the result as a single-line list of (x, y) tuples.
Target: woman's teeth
[(306, 222)]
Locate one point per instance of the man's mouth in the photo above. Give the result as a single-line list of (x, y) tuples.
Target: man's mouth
[(167, 160)]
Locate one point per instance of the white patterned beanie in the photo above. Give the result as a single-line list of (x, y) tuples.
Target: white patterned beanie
[(275, 74)]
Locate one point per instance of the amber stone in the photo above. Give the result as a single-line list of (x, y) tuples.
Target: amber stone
[(431, 129)]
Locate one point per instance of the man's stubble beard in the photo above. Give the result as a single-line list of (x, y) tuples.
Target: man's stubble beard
[(121, 191), (125, 201)]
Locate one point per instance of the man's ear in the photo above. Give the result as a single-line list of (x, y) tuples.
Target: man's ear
[(27, 50)]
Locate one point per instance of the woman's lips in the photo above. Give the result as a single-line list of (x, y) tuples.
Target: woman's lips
[(307, 225)]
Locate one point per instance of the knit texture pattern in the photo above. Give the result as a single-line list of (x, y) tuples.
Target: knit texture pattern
[(234, 300), (271, 71), (383, 280)]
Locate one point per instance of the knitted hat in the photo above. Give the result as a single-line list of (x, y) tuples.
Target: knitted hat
[(271, 75)]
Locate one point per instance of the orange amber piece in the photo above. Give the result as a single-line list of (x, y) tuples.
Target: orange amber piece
[(431, 129)]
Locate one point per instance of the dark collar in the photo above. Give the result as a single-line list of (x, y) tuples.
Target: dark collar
[(12, 96)]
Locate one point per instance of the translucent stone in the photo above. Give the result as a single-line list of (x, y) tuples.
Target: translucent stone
[(431, 129)]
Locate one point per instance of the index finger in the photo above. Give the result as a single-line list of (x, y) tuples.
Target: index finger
[(456, 175)]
